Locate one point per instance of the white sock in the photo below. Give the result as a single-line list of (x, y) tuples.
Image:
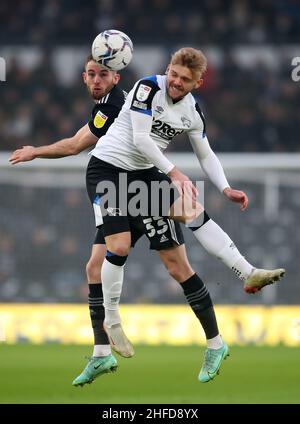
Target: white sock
[(219, 244), (242, 268), (101, 350), (215, 342), (112, 282)]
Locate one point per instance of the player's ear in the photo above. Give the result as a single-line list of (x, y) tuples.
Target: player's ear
[(167, 70), (199, 83), (84, 77), (117, 78)]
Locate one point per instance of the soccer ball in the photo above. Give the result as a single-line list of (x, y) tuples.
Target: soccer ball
[(112, 49)]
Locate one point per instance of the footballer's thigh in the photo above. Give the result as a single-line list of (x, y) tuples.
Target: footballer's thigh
[(176, 261), (103, 187)]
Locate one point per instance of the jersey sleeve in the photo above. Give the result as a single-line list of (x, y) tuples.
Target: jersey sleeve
[(200, 126), (143, 95), (102, 118), (208, 160)]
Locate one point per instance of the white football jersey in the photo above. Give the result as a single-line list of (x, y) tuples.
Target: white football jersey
[(149, 96)]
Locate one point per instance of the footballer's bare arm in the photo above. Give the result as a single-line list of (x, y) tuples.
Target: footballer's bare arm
[(83, 139)]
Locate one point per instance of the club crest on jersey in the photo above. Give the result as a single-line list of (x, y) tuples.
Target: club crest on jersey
[(114, 211), (159, 109), (100, 119), (186, 122), (143, 92)]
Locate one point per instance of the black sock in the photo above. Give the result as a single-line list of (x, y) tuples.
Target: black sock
[(97, 314), (199, 300)]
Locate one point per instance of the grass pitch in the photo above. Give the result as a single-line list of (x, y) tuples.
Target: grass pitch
[(156, 374)]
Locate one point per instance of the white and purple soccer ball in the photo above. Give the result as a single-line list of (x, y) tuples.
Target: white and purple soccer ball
[(112, 49)]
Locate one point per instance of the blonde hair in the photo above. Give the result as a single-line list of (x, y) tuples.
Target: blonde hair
[(191, 58)]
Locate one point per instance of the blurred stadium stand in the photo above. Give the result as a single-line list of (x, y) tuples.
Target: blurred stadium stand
[(49, 22), (249, 98), (250, 102)]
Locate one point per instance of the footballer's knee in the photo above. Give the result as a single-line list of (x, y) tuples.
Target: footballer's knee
[(119, 244), (192, 213), (119, 250), (187, 214)]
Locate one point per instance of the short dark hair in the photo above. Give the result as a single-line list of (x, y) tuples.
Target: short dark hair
[(88, 59)]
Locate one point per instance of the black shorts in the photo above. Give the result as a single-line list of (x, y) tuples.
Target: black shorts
[(162, 232)]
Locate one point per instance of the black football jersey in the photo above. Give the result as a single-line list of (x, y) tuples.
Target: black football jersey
[(106, 110)]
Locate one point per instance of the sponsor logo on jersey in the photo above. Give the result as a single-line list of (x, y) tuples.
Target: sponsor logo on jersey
[(186, 122), (100, 119), (143, 92), (159, 109), (139, 105), (164, 130)]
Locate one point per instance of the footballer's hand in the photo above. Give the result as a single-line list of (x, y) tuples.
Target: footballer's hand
[(236, 196), (22, 155), (183, 184)]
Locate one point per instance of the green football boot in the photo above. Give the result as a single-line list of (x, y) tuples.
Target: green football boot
[(95, 368), (212, 363)]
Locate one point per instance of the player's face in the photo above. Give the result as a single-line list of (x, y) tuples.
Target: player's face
[(180, 81), (99, 81)]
